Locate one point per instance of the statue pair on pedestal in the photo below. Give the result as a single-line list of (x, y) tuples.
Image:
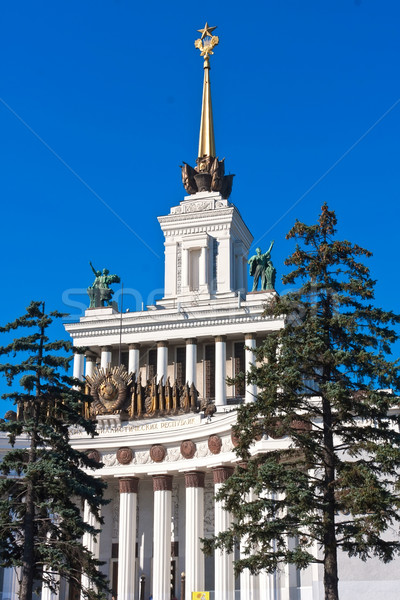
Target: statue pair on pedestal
[(100, 293), (261, 267)]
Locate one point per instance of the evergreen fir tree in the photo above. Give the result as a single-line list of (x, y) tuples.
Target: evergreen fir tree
[(44, 480), (327, 390)]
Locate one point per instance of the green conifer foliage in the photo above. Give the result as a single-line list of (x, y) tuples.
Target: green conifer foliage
[(327, 394), (44, 481)]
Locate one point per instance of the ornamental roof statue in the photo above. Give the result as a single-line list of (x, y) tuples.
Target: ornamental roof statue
[(100, 293), (209, 173)]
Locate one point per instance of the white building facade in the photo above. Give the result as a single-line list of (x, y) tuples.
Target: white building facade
[(166, 455)]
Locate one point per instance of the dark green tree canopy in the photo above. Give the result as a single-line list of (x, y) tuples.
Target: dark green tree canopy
[(327, 388), (44, 479)]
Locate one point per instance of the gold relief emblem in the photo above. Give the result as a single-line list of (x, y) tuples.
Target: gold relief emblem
[(109, 389)]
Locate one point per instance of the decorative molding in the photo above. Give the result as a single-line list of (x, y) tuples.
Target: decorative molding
[(188, 448), (94, 455), (124, 456), (204, 318), (234, 439), (227, 444), (221, 474), (194, 479), (128, 485), (162, 483), (202, 450), (178, 267), (214, 444), (142, 458), (110, 459), (157, 453), (173, 454)]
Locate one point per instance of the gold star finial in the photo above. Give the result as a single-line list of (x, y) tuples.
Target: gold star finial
[(207, 31), (207, 41)]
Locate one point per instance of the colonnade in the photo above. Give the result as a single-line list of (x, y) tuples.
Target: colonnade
[(194, 519), (224, 584), (191, 364)]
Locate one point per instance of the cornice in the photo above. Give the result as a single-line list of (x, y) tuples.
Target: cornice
[(107, 329)]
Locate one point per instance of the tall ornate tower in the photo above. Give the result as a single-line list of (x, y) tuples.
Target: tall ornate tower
[(206, 239)]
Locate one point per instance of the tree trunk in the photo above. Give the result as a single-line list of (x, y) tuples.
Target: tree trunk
[(28, 560), (26, 588), (331, 579)]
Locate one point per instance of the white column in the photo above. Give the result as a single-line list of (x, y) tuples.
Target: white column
[(220, 370), (79, 361), (194, 557), (267, 584), (249, 589), (250, 359), (47, 594), (11, 583), (90, 364), (162, 361), (89, 542), (162, 486), (128, 487), (191, 362), (105, 357), (224, 579), (134, 358)]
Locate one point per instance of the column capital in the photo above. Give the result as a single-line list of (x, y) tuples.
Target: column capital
[(221, 474), (106, 348), (162, 483), (194, 479), (134, 346), (162, 344), (220, 338), (90, 356), (191, 342), (128, 485), (250, 336)]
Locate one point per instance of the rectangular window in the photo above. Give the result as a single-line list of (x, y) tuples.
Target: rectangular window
[(209, 371), (180, 366), (239, 367), (152, 364), (194, 261)]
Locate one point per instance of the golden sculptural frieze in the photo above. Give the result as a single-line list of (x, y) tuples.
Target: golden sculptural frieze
[(115, 391)]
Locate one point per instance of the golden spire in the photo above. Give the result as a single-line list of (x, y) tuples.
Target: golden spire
[(206, 141)]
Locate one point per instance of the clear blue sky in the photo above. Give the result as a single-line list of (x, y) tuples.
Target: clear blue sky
[(114, 89)]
